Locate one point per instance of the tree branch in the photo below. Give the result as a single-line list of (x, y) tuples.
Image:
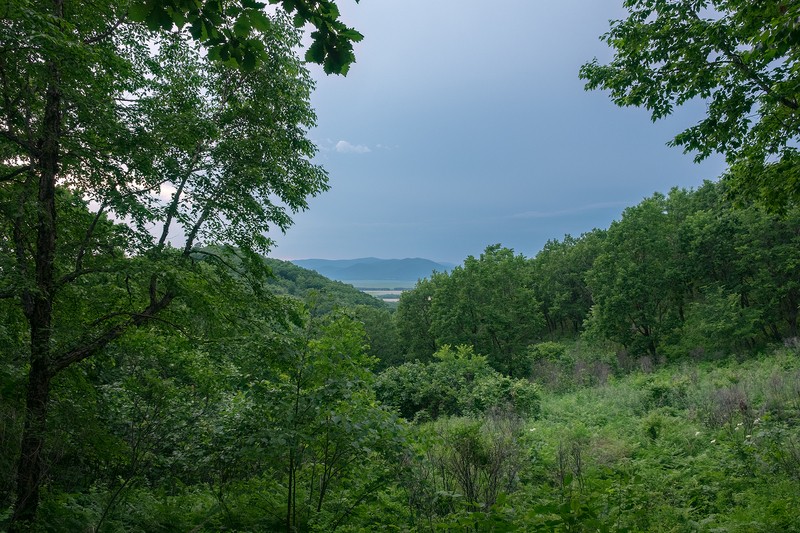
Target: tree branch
[(103, 35), (84, 246), (195, 229), (16, 172), (17, 140), (101, 341), (78, 272), (172, 211), (739, 63)]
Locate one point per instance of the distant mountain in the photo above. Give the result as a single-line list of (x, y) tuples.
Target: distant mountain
[(371, 268)]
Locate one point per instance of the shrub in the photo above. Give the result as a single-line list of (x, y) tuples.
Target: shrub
[(458, 382)]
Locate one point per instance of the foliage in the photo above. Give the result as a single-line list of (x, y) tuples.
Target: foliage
[(489, 303), (740, 57), (458, 382), (309, 286), (679, 274), (559, 274), (147, 130), (227, 28), (414, 318), (716, 322), (463, 466), (636, 291)]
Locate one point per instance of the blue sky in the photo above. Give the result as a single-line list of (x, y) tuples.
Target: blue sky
[(464, 124)]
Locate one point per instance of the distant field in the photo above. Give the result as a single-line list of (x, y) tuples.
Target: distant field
[(387, 285), (388, 296)]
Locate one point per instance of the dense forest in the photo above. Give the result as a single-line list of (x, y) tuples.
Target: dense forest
[(159, 373)]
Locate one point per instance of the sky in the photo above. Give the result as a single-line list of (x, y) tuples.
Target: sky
[(464, 124)]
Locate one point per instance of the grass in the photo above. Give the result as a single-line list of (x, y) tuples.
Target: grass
[(705, 447)]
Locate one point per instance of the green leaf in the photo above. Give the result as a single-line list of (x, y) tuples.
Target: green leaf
[(248, 60), (260, 21), (315, 52), (138, 11), (241, 28), (351, 35), (159, 18)]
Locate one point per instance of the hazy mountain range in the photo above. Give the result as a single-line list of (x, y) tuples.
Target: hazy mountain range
[(371, 268)]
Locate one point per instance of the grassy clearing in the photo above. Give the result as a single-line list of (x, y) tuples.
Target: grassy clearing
[(706, 447)]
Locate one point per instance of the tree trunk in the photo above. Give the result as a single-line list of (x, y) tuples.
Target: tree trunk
[(40, 314), (29, 470)]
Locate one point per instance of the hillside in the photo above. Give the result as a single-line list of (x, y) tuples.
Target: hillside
[(301, 282), (371, 268)]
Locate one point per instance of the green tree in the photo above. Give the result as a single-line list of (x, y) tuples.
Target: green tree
[(413, 318), (490, 304), (323, 420), (559, 273), (746, 251), (457, 382), (381, 331), (636, 280), (739, 56), (203, 152)]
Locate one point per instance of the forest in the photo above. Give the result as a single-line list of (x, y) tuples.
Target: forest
[(159, 372)]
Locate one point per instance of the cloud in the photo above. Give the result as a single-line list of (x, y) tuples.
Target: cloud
[(344, 147), (166, 191), (570, 211)]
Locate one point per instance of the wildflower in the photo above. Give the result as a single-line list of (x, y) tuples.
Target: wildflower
[(713, 441), (696, 433)]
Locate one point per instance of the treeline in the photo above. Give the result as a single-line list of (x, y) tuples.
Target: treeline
[(678, 275)]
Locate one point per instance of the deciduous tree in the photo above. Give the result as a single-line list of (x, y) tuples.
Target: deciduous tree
[(163, 145), (738, 56)]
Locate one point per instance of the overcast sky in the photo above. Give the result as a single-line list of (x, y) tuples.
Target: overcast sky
[(464, 123)]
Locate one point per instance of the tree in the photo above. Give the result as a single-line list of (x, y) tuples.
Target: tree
[(321, 419), (489, 303), (457, 382), (635, 281), (739, 56), (413, 319), (559, 272), (166, 139)]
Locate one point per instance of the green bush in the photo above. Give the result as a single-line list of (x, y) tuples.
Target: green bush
[(458, 382)]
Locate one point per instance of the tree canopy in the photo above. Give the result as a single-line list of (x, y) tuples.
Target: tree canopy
[(740, 58), (230, 29)]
